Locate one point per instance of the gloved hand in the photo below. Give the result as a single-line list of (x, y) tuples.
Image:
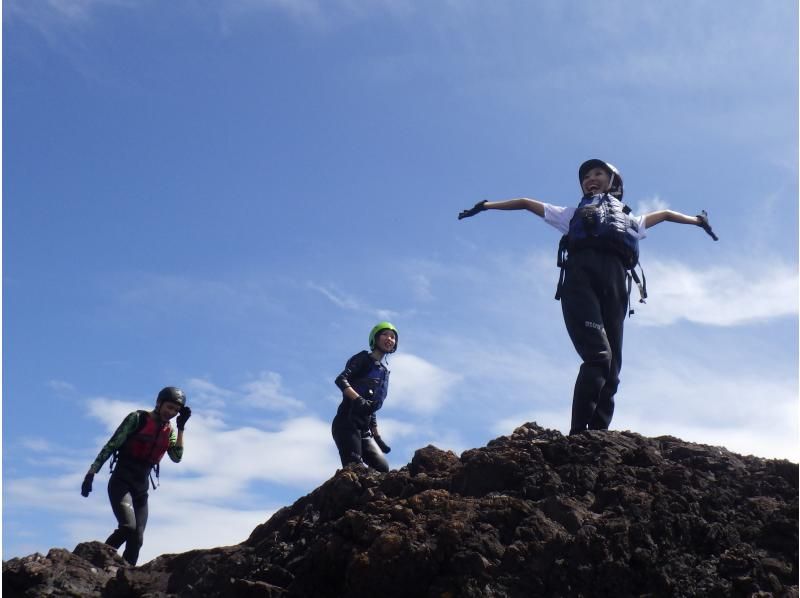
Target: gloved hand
[(381, 444), (363, 406), (183, 415), (703, 218), (478, 207), (86, 487)]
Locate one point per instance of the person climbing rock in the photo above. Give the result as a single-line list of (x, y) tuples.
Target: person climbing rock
[(597, 254), (364, 383), (137, 446)]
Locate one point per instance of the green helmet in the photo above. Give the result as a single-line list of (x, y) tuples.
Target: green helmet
[(171, 394), (380, 327)]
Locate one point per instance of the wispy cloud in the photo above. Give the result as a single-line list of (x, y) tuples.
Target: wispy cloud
[(720, 296), (61, 386), (650, 204), (42, 12), (37, 445), (267, 393), (348, 302), (206, 393)]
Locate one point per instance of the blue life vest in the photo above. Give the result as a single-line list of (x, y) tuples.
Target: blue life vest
[(374, 385), (604, 222)]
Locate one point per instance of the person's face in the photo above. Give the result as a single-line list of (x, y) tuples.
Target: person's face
[(386, 341), (168, 410), (595, 181)]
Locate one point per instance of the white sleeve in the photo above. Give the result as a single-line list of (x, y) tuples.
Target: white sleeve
[(638, 229), (558, 216)]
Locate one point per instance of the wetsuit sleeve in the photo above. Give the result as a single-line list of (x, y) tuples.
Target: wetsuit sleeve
[(125, 429), (356, 366), (558, 216), (174, 451)]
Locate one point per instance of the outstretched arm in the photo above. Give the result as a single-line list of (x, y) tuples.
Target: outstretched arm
[(520, 203), (654, 218), (700, 220)]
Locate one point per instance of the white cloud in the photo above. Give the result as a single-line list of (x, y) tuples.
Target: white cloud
[(266, 393), (650, 204), (206, 394), (720, 296), (110, 411), (419, 386), (173, 527)]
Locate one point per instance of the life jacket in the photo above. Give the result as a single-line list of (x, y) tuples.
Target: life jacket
[(149, 442), (603, 222), (374, 385)]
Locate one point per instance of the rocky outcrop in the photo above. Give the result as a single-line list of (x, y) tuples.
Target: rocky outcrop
[(531, 514)]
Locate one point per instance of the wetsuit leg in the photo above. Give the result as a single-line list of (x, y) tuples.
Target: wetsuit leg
[(615, 309), (581, 307), (129, 505), (134, 543), (348, 440), (373, 456)]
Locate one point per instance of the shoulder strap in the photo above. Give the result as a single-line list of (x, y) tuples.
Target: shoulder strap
[(640, 283)]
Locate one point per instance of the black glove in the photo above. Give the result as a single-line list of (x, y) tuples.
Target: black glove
[(703, 217), (86, 487), (184, 414), (381, 444), (478, 207)]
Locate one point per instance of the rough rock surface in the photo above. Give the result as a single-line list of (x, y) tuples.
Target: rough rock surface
[(531, 514)]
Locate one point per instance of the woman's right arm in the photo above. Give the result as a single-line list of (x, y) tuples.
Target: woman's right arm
[(520, 203), (128, 425), (356, 366)]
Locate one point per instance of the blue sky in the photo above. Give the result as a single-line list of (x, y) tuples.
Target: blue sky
[(226, 196)]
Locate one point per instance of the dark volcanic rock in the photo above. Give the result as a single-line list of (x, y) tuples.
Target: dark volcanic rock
[(531, 514)]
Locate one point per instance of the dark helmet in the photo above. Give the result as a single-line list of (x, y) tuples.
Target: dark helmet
[(171, 394), (380, 327), (615, 186)]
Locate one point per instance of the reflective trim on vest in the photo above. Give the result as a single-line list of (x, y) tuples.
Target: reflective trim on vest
[(601, 222), (148, 444)]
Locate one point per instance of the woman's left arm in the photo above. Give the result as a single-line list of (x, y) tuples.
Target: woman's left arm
[(659, 216)]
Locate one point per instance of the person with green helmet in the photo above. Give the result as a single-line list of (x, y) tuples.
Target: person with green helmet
[(138, 444), (364, 383), (597, 254)]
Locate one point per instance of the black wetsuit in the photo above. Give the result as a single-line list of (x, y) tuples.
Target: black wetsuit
[(355, 419), (594, 302), (128, 493), (603, 241), (128, 485)]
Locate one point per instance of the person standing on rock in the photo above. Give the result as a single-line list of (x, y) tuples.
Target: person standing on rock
[(138, 445), (364, 383), (597, 254)]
